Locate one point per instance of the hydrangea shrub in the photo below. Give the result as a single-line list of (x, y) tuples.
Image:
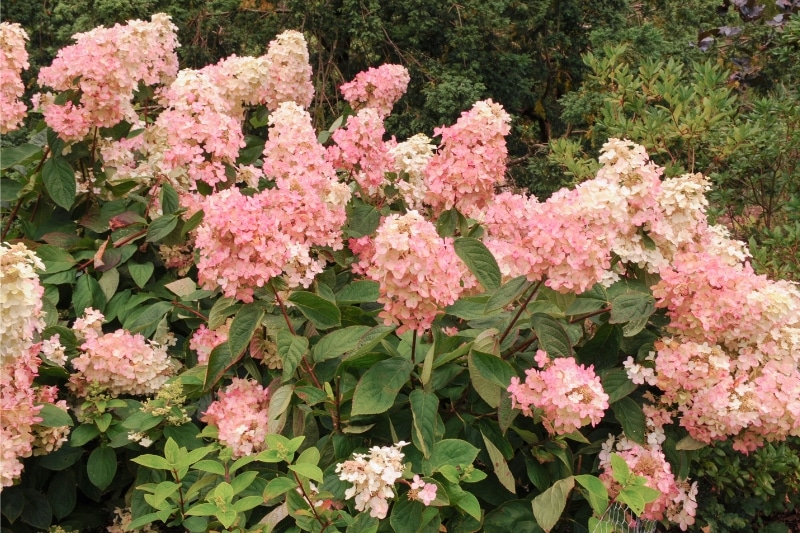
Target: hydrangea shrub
[(340, 331)]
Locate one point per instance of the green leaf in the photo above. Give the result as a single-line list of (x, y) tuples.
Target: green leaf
[(630, 415), (378, 387), (277, 487), (147, 321), (211, 466), (169, 199), (14, 155), (308, 471), (603, 349), (424, 411), (633, 499), (88, 293), (59, 180), (596, 492), (291, 348), (141, 272), (55, 258), (492, 368), (83, 434), (507, 293), (244, 325), (362, 219), (480, 262), (156, 462), (247, 503), (467, 502), (453, 452), (631, 306), (338, 342), (161, 227), (500, 465), (37, 512), (62, 493), (221, 310), (101, 467), (548, 506), (406, 516), (322, 313), (357, 292), (617, 384), (620, 469), (54, 417), (553, 338)]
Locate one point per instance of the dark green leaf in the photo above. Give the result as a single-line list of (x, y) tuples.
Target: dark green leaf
[(480, 262), (147, 321), (356, 292), (603, 349), (338, 342), (424, 411), (507, 293), (322, 313), (88, 293), (141, 272), (59, 180), (169, 199), (53, 417), (453, 452), (291, 348), (221, 310), (631, 306), (101, 467), (630, 415), (363, 219), (14, 155), (552, 336), (161, 227), (37, 512), (492, 368), (378, 387), (616, 384), (62, 493)]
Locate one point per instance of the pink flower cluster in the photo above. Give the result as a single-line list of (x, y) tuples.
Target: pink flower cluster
[(361, 151), (738, 335), (13, 59), (106, 66), (247, 240), (418, 271), (677, 501), (566, 395), (204, 340), (18, 412), (240, 414), (377, 88), (119, 362), (471, 160), (21, 322)]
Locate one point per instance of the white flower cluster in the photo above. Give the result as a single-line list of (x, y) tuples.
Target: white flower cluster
[(20, 300), (373, 476), (411, 157)]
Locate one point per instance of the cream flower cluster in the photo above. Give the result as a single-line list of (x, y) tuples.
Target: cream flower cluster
[(13, 59), (20, 300), (373, 476), (410, 159)]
